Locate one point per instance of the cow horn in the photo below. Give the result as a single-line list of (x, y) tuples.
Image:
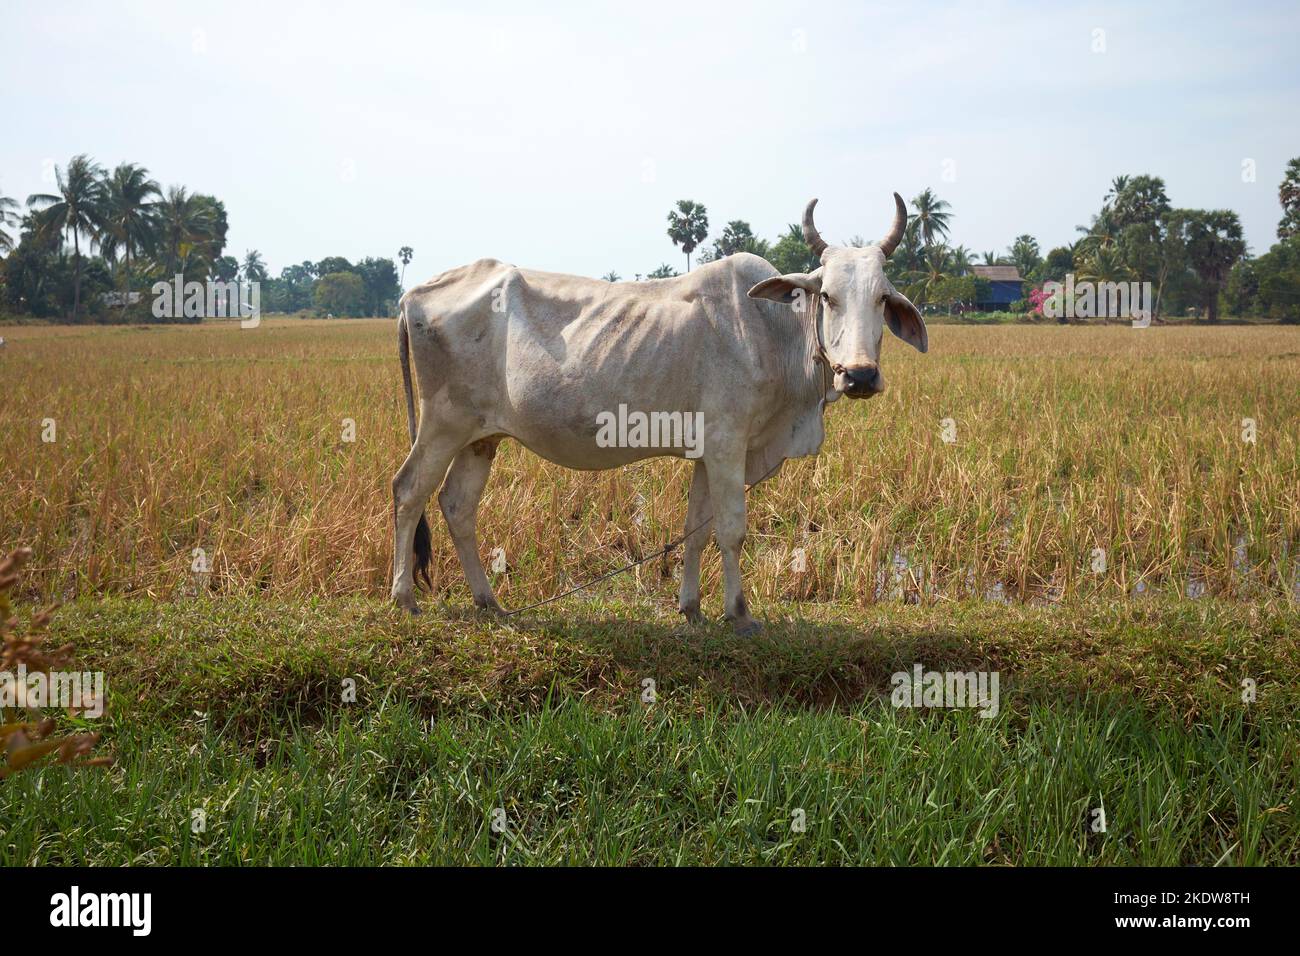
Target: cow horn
[(890, 242), (810, 233)]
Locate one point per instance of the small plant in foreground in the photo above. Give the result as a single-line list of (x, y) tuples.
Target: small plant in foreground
[(24, 742)]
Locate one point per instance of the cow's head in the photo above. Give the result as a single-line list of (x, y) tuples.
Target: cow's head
[(857, 301)]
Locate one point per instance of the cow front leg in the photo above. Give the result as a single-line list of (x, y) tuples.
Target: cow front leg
[(459, 500), (413, 484), (697, 514), (727, 495)]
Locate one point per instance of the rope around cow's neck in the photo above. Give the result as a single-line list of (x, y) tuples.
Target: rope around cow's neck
[(831, 368), (819, 356)]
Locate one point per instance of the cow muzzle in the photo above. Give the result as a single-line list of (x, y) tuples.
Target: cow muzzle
[(860, 381)]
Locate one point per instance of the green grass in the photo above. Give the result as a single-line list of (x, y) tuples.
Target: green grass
[(235, 707), (981, 318)]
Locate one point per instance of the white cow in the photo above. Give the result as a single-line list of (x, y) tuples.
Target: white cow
[(548, 360)]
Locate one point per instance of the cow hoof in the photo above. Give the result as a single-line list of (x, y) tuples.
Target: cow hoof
[(407, 604), (692, 613), (490, 608), (747, 628)]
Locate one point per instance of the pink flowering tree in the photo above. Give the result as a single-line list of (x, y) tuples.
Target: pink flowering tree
[(1036, 299)]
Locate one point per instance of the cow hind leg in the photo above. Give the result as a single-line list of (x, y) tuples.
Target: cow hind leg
[(727, 495), (414, 483), (697, 514), (459, 500)]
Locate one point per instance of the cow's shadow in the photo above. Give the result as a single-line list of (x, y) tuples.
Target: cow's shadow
[(792, 661)]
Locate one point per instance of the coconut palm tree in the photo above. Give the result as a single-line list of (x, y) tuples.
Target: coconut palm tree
[(932, 270), (129, 220), (213, 242), (907, 257), (960, 260), (254, 267), (8, 216), (185, 221), (1104, 264), (1102, 232), (77, 208), (1025, 255), (932, 216), (688, 225)]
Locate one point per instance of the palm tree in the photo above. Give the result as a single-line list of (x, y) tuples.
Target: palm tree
[(7, 216), (1213, 243), (933, 269), (76, 208), (185, 221), (960, 260), (688, 225), (1102, 232), (1288, 194), (1104, 264), (212, 242), (254, 267), (904, 266), (1025, 255), (225, 269), (739, 237), (406, 253), (932, 215), (129, 220), (1117, 186), (907, 257)]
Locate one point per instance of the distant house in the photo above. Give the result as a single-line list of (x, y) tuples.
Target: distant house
[(115, 298), (1004, 287)]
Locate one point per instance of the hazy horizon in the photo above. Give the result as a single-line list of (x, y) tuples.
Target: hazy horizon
[(560, 141)]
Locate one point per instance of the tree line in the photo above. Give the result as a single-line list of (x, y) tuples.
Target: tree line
[(77, 252), (1195, 259), (335, 287), (87, 250)]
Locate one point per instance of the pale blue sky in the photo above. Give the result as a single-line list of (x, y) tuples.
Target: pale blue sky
[(560, 140)]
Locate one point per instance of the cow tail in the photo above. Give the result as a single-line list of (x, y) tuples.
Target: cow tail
[(404, 354), (423, 536)]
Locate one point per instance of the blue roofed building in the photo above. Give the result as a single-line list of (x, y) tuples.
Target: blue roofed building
[(1004, 287)]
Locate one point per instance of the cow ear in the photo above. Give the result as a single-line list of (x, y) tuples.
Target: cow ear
[(787, 288), (905, 321)]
